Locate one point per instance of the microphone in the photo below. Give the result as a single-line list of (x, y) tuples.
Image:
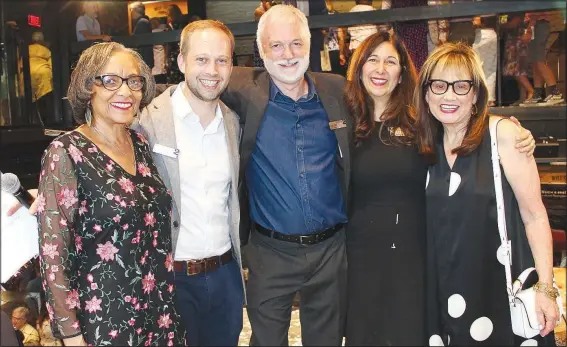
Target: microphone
[(11, 184)]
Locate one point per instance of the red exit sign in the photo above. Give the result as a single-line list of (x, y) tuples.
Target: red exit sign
[(34, 21)]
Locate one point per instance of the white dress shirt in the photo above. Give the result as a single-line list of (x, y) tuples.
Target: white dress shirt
[(205, 180)]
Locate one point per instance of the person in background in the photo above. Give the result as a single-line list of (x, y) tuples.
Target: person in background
[(142, 26), (484, 45), (19, 321), (87, 25), (414, 34), (461, 29), (467, 301), (159, 70), (359, 33), (176, 20), (541, 25), (438, 28), (258, 12), (41, 75), (335, 45), (8, 335), (43, 325), (516, 64)]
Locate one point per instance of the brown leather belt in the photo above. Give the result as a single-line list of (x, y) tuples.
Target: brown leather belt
[(194, 267), (301, 239)]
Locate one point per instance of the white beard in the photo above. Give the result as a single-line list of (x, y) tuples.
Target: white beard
[(277, 72)]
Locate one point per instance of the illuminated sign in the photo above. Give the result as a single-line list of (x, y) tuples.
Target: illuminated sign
[(34, 21)]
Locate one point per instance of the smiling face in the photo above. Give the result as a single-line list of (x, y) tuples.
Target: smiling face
[(120, 105), (208, 63), (286, 49), (381, 73), (450, 108)]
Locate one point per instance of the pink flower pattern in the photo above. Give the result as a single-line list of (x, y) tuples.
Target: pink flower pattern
[(93, 305), (40, 201), (126, 185), (72, 300), (67, 197), (88, 202), (106, 251)]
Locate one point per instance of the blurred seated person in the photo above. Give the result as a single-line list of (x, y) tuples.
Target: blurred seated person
[(87, 25), (19, 321), (41, 74), (8, 336), (46, 337)]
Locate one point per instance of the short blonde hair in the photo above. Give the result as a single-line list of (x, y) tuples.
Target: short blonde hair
[(202, 25), (90, 64), (281, 11)]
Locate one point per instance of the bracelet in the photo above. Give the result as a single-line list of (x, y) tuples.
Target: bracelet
[(549, 291)]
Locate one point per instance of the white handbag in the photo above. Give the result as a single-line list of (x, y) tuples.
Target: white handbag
[(521, 300)]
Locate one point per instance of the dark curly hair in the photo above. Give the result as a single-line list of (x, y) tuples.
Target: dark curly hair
[(90, 64)]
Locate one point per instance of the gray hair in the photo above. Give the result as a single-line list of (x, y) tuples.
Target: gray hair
[(281, 11), (90, 64)]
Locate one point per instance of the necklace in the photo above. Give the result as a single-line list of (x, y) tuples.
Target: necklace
[(113, 143)]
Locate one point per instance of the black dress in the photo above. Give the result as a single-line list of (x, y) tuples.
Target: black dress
[(386, 246), (105, 239), (467, 302)]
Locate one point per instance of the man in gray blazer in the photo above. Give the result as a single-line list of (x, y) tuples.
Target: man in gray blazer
[(194, 138), (295, 172)]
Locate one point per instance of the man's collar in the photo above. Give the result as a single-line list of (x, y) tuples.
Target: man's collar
[(311, 92), (182, 108)]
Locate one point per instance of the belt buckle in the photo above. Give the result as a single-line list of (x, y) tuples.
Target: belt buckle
[(305, 237), (200, 261)]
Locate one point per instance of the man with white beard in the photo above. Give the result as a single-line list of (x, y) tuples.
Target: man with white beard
[(295, 169)]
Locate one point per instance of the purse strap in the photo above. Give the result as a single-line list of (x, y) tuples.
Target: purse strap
[(506, 244)]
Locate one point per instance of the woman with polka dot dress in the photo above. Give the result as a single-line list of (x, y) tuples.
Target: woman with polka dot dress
[(467, 301)]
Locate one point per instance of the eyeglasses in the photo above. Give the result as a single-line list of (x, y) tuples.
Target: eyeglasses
[(113, 82), (440, 87)]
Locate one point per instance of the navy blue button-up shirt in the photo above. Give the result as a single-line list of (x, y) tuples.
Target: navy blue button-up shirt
[(292, 175)]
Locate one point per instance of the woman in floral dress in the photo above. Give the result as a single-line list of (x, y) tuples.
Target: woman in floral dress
[(104, 214)]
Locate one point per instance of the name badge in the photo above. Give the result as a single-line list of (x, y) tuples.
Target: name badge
[(337, 124), (167, 151)]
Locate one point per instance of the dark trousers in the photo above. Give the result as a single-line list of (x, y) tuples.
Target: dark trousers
[(210, 305), (277, 271)]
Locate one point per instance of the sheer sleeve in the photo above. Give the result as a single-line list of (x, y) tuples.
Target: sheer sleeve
[(57, 207)]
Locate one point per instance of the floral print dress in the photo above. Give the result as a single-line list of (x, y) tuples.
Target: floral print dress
[(105, 240)]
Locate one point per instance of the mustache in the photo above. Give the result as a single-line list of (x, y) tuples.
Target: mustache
[(287, 62)]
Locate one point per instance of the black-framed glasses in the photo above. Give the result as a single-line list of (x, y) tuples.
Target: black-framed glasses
[(461, 87), (113, 82)]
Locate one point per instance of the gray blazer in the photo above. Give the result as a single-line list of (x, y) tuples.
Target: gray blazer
[(156, 124)]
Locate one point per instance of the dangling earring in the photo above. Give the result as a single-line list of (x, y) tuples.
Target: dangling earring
[(474, 110), (88, 115)]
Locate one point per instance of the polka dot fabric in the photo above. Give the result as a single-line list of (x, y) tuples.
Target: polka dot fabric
[(467, 304)]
